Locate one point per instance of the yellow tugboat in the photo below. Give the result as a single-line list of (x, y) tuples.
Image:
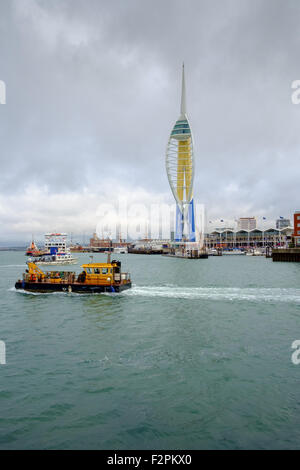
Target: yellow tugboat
[(95, 278)]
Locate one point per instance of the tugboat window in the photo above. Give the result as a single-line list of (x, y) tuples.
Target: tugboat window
[(104, 270), (97, 271)]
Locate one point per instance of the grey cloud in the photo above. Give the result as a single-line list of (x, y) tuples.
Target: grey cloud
[(93, 90)]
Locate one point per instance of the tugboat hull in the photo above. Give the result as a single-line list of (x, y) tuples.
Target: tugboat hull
[(45, 287)]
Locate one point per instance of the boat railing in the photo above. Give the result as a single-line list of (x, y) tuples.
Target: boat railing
[(119, 277), (50, 276)]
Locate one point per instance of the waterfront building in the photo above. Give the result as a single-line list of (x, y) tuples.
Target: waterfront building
[(105, 244), (282, 223), (296, 233), (245, 239), (247, 223), (96, 242), (180, 172)]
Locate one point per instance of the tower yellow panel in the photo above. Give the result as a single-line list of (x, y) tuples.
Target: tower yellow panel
[(184, 169)]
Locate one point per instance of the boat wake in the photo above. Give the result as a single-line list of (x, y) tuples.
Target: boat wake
[(194, 293), (24, 292), (68, 294), (218, 293)]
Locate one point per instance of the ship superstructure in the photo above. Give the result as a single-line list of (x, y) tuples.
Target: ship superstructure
[(56, 250)]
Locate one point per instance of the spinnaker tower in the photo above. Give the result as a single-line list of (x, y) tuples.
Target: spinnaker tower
[(180, 171)]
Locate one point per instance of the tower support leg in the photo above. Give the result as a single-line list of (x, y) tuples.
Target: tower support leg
[(185, 223)]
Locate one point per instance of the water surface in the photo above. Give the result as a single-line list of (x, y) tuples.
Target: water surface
[(197, 355)]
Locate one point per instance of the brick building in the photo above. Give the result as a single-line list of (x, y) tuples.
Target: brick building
[(296, 234)]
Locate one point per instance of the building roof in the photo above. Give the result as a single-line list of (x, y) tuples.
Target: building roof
[(270, 229)]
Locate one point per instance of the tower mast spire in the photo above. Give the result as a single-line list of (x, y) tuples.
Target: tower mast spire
[(183, 99)]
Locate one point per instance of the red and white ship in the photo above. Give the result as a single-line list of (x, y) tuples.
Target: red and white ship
[(33, 250)]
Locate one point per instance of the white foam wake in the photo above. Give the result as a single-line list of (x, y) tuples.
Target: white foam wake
[(22, 291), (197, 293), (218, 293)]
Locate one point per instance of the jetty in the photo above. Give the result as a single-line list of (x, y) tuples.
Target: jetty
[(286, 254), (190, 250)]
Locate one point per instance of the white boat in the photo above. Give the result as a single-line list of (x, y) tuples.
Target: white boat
[(255, 253), (56, 250), (120, 249), (59, 259), (213, 252), (233, 252)]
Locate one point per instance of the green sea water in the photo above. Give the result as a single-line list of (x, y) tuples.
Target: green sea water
[(197, 355)]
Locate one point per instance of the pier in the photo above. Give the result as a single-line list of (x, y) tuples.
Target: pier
[(286, 254)]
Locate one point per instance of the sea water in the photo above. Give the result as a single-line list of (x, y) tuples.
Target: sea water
[(197, 355)]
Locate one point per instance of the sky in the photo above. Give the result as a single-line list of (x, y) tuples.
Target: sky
[(93, 91)]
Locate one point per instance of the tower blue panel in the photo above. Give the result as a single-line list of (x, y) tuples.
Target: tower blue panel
[(191, 222), (179, 235), (179, 224)]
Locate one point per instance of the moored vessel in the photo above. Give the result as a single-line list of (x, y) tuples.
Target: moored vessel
[(56, 251), (57, 259), (255, 252), (214, 252), (234, 251), (33, 250), (120, 249), (95, 278)]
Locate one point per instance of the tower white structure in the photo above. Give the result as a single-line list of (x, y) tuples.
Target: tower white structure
[(180, 171)]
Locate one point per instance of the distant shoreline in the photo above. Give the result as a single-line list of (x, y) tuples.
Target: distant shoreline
[(13, 248)]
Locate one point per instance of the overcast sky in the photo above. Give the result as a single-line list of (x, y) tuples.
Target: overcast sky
[(93, 90)]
